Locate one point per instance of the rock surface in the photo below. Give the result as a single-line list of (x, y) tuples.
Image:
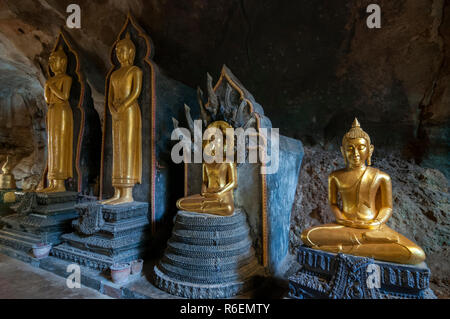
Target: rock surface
[(312, 64), (420, 197)]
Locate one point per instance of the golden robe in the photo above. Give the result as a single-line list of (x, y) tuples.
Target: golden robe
[(60, 139), (127, 137)]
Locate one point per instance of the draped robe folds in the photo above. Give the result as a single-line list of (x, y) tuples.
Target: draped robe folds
[(126, 136), (59, 137)]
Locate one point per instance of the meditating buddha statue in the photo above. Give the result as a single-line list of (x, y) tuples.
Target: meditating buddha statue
[(59, 124), (366, 195), (124, 90), (218, 179)]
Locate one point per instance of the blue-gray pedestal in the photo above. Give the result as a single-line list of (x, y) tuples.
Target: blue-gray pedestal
[(41, 217), (342, 276), (207, 256), (106, 234)]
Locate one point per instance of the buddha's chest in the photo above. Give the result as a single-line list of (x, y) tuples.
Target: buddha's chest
[(217, 175), (56, 82), (121, 81)]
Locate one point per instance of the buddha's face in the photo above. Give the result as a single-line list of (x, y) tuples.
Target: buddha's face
[(124, 53), (215, 141), (356, 151), (57, 63)]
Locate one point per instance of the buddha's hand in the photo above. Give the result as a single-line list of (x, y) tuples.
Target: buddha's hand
[(372, 224), (117, 105), (210, 195), (344, 222), (358, 223)]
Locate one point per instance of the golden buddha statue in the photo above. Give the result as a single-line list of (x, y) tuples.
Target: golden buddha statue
[(218, 181), (59, 123), (125, 86), (7, 180), (366, 194)]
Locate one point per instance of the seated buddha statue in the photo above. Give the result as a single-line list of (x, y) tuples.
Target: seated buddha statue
[(366, 195), (218, 180)]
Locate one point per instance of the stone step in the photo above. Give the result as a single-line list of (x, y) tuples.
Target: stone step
[(114, 213), (93, 260), (120, 228), (36, 221), (95, 242), (16, 243)]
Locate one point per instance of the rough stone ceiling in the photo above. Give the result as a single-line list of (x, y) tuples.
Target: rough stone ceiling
[(312, 64)]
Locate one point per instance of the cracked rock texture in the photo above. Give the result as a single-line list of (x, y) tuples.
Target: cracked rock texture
[(420, 197)]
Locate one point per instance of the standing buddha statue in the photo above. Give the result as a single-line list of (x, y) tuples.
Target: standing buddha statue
[(125, 87), (366, 194), (59, 124), (218, 180)]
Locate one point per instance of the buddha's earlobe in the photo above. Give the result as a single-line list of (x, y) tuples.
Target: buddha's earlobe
[(369, 159), (343, 155)]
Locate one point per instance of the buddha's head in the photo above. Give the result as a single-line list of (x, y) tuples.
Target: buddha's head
[(216, 137), (356, 147), (125, 50), (58, 61)]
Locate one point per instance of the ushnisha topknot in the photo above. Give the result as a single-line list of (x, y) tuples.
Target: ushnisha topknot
[(59, 52), (356, 132)]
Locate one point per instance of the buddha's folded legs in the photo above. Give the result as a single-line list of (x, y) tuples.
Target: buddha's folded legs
[(382, 244), (209, 205), (329, 235)]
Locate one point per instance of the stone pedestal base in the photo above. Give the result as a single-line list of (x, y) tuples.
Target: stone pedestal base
[(7, 199), (207, 256), (342, 276), (41, 217), (106, 234)]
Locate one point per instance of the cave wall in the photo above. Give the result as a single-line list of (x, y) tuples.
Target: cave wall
[(312, 64)]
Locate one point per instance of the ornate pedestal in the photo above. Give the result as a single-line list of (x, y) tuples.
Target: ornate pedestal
[(207, 256), (342, 276), (105, 235), (7, 199), (41, 217)]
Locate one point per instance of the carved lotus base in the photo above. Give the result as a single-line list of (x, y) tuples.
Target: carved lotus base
[(207, 257)]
